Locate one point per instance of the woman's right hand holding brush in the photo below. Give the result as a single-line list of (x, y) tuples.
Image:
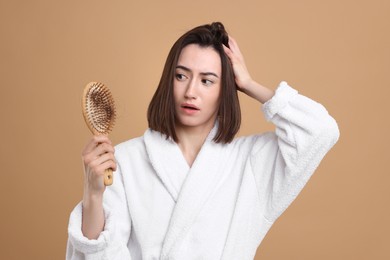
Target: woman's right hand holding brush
[(98, 155)]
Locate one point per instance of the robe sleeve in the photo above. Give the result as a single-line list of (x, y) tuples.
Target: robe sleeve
[(112, 241), (282, 162)]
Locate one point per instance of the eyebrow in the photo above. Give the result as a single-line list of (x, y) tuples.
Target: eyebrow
[(202, 73)]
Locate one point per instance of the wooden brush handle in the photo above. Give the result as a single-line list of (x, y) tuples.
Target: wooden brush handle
[(108, 177)]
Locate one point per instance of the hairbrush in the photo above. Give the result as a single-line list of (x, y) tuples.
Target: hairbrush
[(99, 114)]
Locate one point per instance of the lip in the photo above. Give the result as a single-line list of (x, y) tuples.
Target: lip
[(189, 109), (190, 106)]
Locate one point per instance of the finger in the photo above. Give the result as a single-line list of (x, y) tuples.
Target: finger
[(106, 165), (234, 46), (98, 151), (232, 42), (102, 160), (105, 157), (227, 50), (229, 53), (103, 148), (94, 141)]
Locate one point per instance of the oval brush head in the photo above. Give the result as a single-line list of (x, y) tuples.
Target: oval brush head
[(99, 114)]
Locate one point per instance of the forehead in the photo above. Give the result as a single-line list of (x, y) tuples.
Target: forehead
[(200, 59)]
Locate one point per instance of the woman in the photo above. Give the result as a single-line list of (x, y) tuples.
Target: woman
[(187, 189)]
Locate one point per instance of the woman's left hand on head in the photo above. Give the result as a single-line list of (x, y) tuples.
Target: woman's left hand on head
[(243, 79)]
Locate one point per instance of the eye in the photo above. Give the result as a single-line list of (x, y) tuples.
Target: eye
[(207, 82), (180, 77)]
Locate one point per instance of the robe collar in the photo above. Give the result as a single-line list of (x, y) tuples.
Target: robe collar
[(189, 187)]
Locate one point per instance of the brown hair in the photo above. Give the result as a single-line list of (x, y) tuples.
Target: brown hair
[(161, 111)]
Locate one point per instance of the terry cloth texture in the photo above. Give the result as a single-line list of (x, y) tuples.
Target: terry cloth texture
[(222, 206)]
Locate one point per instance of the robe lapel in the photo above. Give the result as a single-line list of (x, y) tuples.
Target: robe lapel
[(167, 160), (202, 180)]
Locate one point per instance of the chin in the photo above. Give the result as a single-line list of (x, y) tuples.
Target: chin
[(188, 123), (195, 122)]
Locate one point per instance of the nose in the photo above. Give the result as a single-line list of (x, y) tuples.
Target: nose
[(191, 90)]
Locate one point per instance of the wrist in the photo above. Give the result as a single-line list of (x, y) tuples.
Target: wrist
[(258, 92), (246, 84), (92, 200)]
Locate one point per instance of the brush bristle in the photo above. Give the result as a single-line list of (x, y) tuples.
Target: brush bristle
[(100, 108)]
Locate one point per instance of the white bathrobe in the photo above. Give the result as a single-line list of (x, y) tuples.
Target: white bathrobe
[(222, 206)]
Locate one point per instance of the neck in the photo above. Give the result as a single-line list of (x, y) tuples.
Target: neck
[(191, 140)]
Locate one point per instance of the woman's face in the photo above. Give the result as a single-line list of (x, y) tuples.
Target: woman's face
[(197, 86)]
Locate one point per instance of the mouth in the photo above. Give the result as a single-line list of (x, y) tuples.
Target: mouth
[(190, 107)]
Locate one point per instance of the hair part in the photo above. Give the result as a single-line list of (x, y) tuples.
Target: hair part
[(161, 112)]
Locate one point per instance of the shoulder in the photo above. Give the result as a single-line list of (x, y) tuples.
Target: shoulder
[(130, 146), (256, 142)]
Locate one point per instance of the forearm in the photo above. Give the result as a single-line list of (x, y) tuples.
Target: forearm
[(258, 91), (93, 216)]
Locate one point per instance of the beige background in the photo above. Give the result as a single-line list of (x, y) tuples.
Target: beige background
[(336, 52)]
